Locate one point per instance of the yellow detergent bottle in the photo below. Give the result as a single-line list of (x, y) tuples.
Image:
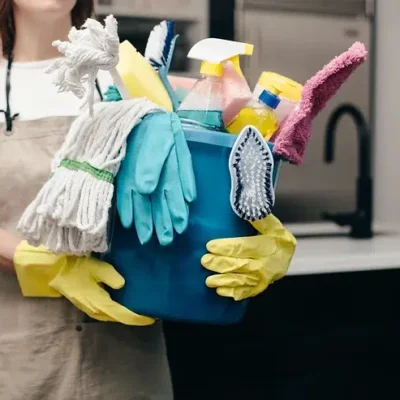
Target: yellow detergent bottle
[(259, 112), (290, 92), (140, 78), (203, 105)]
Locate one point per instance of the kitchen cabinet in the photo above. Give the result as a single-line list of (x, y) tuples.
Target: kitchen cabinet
[(329, 330), (313, 337), (190, 10)]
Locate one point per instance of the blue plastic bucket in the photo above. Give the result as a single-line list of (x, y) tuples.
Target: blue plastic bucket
[(169, 282)]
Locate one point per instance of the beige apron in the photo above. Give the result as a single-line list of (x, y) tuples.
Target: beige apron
[(47, 351)]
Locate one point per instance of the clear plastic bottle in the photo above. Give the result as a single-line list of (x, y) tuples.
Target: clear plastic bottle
[(203, 105), (259, 112)]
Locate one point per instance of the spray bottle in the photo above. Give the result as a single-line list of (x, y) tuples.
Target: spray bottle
[(260, 113), (203, 105)]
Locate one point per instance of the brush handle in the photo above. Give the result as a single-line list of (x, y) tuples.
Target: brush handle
[(119, 84), (162, 73)]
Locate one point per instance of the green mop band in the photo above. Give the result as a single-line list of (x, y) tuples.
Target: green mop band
[(99, 174)]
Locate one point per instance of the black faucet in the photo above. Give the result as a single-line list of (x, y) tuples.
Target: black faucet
[(359, 220)]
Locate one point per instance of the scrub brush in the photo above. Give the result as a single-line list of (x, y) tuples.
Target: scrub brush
[(159, 52), (295, 132), (251, 165)]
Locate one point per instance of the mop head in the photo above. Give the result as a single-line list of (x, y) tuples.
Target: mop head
[(87, 51), (71, 212), (251, 166), (295, 132)]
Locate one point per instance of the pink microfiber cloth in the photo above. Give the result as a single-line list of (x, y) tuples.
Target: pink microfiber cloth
[(295, 132)]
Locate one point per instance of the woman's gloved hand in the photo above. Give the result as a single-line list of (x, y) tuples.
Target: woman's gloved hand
[(43, 274), (81, 282), (36, 267), (246, 266), (156, 181)]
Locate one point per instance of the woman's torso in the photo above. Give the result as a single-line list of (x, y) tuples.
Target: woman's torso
[(48, 349)]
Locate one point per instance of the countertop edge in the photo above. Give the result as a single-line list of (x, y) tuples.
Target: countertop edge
[(342, 254)]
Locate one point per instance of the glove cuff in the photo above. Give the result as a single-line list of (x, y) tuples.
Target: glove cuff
[(35, 268)]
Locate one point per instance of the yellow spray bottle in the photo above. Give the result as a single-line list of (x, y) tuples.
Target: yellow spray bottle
[(203, 106)]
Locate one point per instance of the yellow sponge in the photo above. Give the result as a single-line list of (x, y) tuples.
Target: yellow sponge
[(140, 78)]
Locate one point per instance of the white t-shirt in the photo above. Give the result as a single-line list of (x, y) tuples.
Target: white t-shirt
[(33, 94)]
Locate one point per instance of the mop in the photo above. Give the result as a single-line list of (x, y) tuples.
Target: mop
[(88, 50), (70, 213), (295, 132)]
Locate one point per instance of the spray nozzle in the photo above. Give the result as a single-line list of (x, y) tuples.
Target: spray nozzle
[(215, 51)]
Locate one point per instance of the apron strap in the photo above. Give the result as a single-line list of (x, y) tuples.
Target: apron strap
[(7, 113)]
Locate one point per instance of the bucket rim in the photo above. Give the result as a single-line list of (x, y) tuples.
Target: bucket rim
[(213, 138)]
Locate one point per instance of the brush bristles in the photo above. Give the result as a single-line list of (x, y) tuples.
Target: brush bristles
[(251, 167), (159, 44)]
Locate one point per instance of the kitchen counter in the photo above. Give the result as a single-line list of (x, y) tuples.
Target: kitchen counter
[(321, 252)]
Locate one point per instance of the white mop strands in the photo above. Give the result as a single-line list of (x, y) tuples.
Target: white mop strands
[(94, 47), (70, 213)]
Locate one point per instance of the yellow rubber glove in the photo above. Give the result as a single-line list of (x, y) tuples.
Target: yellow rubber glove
[(42, 274), (81, 282), (36, 267), (246, 266)]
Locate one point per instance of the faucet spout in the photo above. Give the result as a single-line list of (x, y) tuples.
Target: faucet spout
[(364, 137), (360, 220)]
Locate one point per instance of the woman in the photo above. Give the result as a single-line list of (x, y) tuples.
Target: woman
[(48, 348)]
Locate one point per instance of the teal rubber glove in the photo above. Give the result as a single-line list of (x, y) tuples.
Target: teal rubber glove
[(112, 94), (156, 181)]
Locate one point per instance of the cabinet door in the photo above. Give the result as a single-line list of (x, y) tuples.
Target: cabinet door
[(191, 10), (297, 46)]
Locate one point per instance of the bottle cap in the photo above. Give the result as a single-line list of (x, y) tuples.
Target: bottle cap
[(269, 98), (211, 69), (289, 88)]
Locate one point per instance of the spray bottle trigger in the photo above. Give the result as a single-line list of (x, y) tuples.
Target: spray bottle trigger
[(236, 64)]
